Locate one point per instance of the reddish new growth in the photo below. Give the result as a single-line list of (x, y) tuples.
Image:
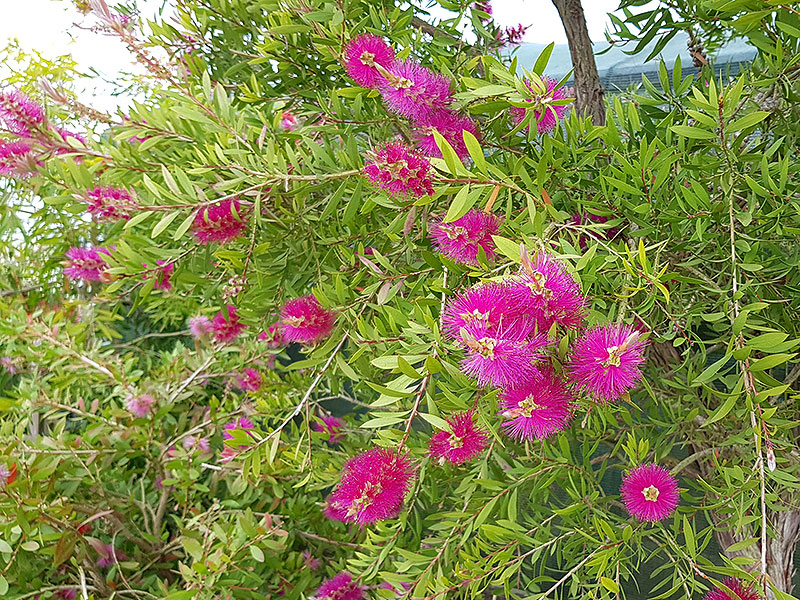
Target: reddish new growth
[(606, 361), (545, 113), (372, 487), (340, 587), (330, 425), (20, 115), (366, 59), (650, 493), (110, 204), (411, 90), (304, 320), (741, 591), (538, 408), (86, 264), (450, 125), (463, 239), (548, 293), (221, 222), (461, 444), (226, 325), (400, 170)]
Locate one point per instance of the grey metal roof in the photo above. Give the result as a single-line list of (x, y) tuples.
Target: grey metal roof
[(618, 70)]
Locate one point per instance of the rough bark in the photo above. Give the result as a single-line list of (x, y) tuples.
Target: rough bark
[(589, 91)]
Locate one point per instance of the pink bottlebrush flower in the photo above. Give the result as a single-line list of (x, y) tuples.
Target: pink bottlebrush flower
[(163, 275), (218, 223), (489, 306), (545, 114), (462, 239), (512, 36), (20, 115), (249, 380), (194, 444), (548, 293), (86, 263), (331, 426), (16, 159), (373, 487), (606, 361), (242, 423), (66, 594), (450, 125), (288, 121), (340, 587), (366, 59), (538, 408), (304, 320), (110, 204), (200, 326), (737, 586), (139, 406), (502, 358), (8, 364), (109, 556), (413, 91), (226, 330), (650, 493), (5, 475), (461, 444), (272, 336), (311, 563), (400, 171)]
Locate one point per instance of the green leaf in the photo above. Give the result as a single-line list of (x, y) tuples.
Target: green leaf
[(184, 227), (136, 219), (460, 205), (692, 132), (722, 411), (768, 362), (289, 29), (3, 586), (610, 585), (182, 595), (747, 121), (437, 422), (475, 151), (544, 58), (256, 553), (448, 154), (381, 422), (741, 545), (5, 548), (163, 224), (507, 248)]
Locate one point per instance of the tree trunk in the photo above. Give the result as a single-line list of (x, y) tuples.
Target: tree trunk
[(589, 91)]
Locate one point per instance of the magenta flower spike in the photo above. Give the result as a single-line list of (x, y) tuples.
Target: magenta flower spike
[(462, 239), (548, 293), (650, 493), (304, 320), (538, 408), (545, 114), (249, 380), (139, 406), (606, 361), (461, 444), (200, 326), (400, 171), (450, 125), (489, 306), (218, 223), (330, 425), (86, 263), (340, 587), (737, 586), (366, 59), (20, 115), (242, 423), (373, 487), (108, 555), (502, 358), (16, 159), (413, 91), (226, 325), (110, 204)]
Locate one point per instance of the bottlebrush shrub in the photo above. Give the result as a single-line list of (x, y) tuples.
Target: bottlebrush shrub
[(322, 317)]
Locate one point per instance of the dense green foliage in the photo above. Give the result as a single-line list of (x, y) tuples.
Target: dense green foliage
[(701, 179)]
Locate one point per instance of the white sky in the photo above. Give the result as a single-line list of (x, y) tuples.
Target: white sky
[(49, 27)]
